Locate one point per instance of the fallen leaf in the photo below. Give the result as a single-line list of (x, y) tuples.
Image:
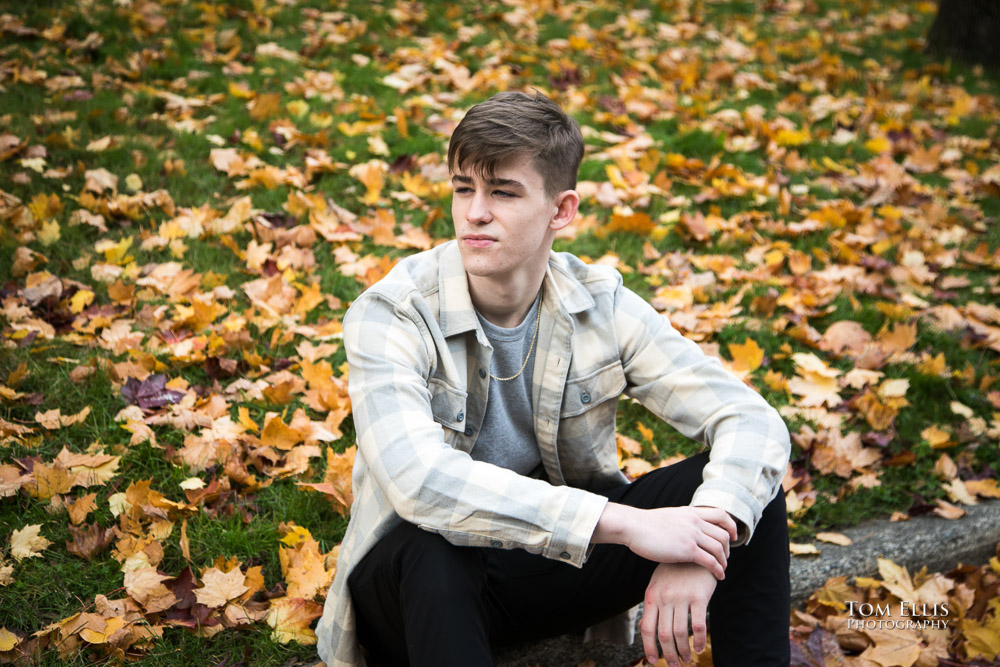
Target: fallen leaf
[(290, 618), (948, 511), (798, 549), (834, 538), (81, 507), (89, 541), (28, 542), (219, 587)]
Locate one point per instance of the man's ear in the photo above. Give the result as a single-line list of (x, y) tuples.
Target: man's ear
[(567, 203)]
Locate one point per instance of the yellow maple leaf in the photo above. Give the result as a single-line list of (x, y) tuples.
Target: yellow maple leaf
[(80, 300), (8, 640), (747, 356), (111, 626), (49, 232), (290, 618), (937, 437), (372, 176), (982, 639), (47, 481), (878, 144), (295, 535), (28, 542), (304, 570), (279, 435)]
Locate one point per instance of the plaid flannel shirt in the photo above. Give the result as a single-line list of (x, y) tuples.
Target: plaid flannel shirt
[(418, 382)]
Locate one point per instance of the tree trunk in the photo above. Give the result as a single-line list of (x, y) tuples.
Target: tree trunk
[(967, 30)]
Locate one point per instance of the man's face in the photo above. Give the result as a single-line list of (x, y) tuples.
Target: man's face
[(503, 224)]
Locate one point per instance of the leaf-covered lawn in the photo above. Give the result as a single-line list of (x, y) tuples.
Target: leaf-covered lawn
[(191, 194)]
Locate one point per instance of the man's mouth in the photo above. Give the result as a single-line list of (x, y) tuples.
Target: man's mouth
[(478, 240)]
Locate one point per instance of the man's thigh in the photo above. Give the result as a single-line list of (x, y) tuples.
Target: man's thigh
[(530, 596)]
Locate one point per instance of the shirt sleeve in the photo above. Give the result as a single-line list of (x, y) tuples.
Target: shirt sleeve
[(391, 354), (680, 384)]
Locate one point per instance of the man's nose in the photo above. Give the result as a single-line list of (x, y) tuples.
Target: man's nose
[(479, 210)]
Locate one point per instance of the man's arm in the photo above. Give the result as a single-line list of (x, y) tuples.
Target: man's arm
[(391, 353), (680, 384), (699, 535)]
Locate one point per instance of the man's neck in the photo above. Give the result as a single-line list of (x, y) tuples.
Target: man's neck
[(505, 302)]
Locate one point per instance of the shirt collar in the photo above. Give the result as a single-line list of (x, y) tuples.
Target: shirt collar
[(562, 292)]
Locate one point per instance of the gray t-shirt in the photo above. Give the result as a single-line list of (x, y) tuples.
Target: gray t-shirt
[(507, 436)]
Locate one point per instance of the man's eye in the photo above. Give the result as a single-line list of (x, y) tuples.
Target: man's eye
[(463, 190), (503, 194)]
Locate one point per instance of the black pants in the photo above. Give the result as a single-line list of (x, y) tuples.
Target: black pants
[(421, 600)]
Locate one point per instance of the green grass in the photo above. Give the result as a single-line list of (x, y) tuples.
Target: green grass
[(593, 59)]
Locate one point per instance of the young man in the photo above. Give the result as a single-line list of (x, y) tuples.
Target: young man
[(488, 504)]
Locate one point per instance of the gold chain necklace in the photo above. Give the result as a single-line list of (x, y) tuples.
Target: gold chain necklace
[(534, 336)]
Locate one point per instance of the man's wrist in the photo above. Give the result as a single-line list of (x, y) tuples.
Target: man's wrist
[(612, 527)]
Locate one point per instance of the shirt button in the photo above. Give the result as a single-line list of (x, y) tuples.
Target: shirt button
[(585, 397), (460, 416), (468, 430), (565, 555), (496, 544), (482, 372)]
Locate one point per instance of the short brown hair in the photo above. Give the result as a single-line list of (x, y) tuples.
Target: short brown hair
[(512, 124)]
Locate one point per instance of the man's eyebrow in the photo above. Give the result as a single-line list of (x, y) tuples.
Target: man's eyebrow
[(494, 182)]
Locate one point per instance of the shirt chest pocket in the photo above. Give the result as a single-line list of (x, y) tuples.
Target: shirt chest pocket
[(587, 418), (448, 407)]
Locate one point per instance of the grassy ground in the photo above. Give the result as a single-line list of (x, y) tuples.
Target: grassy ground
[(739, 156)]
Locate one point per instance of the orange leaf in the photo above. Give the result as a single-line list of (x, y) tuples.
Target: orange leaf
[(279, 435), (747, 356), (81, 507), (291, 617)]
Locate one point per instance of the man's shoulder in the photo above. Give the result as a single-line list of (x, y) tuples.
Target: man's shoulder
[(415, 275)]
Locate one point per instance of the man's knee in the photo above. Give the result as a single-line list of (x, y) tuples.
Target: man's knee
[(426, 562)]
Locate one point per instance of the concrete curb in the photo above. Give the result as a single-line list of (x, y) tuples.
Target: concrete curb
[(938, 543)]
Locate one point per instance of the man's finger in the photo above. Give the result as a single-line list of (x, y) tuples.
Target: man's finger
[(710, 563), (666, 635), (717, 533), (647, 627), (699, 626), (714, 548), (681, 632), (720, 518)]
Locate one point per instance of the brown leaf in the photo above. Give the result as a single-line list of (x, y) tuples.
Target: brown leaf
[(145, 586), (264, 106), (845, 337), (893, 648), (89, 541)]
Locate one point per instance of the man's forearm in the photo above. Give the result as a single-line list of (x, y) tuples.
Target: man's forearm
[(670, 535)]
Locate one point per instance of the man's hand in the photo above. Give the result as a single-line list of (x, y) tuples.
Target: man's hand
[(698, 535), (676, 591)]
